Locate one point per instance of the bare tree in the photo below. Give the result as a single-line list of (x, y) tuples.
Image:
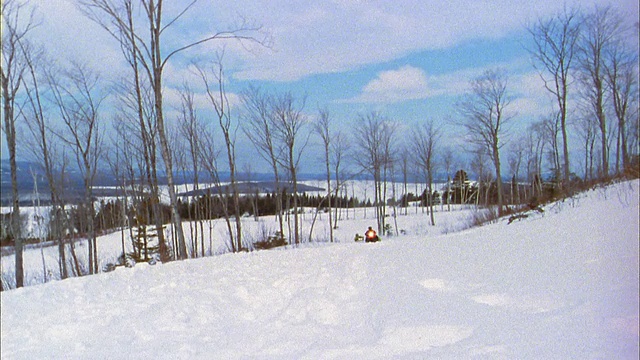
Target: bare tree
[(600, 29), (322, 128), (587, 129), (181, 146), (136, 95), (138, 190), (118, 163), (551, 128), (481, 168), (535, 149), (190, 130), (37, 122), (425, 142), (288, 122), (555, 45), (621, 69), (135, 112), (259, 128), (373, 156), (219, 101), (78, 100), (12, 68), (404, 168), (447, 161), (516, 154), (338, 151), (485, 119), (210, 152), (148, 51)]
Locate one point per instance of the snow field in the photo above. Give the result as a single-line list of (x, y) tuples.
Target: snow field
[(351, 221), (559, 285)]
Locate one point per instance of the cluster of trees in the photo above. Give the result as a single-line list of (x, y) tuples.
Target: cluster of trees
[(591, 58), (32, 83), (585, 60)]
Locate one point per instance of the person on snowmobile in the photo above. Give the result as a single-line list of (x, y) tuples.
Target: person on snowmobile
[(371, 236)]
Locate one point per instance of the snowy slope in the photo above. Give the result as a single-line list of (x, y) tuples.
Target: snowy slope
[(562, 285)]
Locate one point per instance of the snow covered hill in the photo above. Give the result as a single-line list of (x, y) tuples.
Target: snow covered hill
[(560, 285)]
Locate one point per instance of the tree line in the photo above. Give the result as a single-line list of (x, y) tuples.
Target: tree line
[(584, 58)]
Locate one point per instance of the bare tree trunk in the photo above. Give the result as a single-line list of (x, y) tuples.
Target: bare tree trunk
[(322, 129), (12, 68)]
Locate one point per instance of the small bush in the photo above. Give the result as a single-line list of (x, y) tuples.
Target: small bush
[(388, 230), (7, 281), (271, 241), (480, 217)]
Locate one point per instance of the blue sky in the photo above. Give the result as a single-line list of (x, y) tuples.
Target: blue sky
[(410, 60)]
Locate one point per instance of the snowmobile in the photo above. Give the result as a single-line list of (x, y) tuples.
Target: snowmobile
[(371, 236)]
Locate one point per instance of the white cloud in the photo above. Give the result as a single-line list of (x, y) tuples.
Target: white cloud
[(405, 79), (405, 83), (412, 83)]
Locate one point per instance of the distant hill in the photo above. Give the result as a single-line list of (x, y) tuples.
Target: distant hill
[(28, 170), (263, 187)]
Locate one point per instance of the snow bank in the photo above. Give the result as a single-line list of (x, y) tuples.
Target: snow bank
[(562, 285)]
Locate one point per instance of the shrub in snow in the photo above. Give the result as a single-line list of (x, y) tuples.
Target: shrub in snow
[(388, 230), (130, 262), (484, 216), (7, 281), (145, 243), (271, 241), (109, 267)]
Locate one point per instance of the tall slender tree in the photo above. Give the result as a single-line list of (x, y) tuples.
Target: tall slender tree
[(12, 70), (259, 128), (621, 70), (219, 101), (190, 129), (555, 46), (322, 128), (44, 152), (485, 118), (78, 99), (373, 156), (289, 121), (600, 28), (425, 142), (338, 151)]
